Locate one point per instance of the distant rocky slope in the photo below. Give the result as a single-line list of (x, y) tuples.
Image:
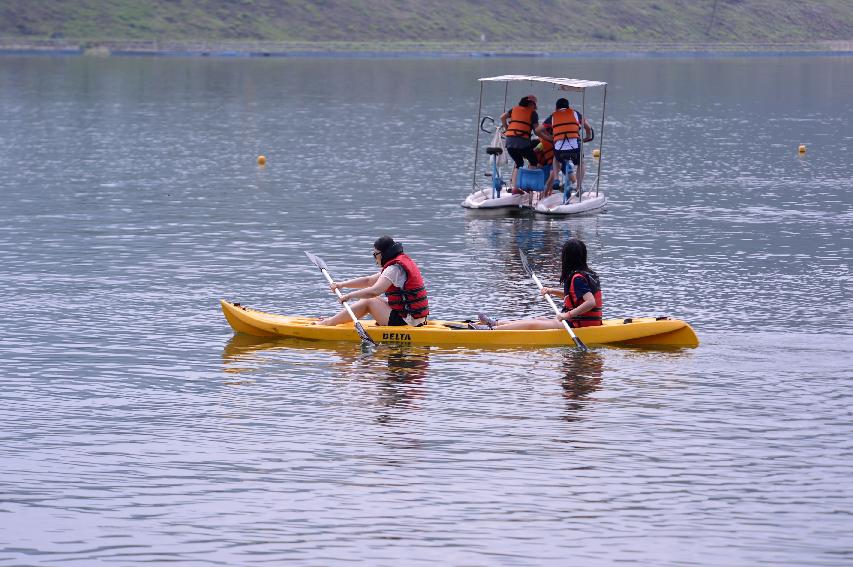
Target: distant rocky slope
[(572, 23)]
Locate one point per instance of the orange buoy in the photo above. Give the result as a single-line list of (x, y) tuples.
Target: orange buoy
[(262, 160)]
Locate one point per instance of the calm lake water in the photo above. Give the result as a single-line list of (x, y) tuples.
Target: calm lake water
[(135, 428)]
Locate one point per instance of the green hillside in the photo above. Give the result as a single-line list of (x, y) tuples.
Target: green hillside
[(552, 22)]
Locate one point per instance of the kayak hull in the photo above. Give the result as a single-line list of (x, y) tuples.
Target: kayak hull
[(647, 331)]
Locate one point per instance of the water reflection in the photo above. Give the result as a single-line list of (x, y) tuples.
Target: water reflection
[(398, 371), (582, 375), (504, 289), (403, 384)]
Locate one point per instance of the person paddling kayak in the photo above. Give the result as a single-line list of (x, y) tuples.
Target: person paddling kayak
[(405, 301), (581, 294)]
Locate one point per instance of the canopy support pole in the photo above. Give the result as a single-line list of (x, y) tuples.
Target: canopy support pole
[(601, 141), (477, 144), (580, 145)]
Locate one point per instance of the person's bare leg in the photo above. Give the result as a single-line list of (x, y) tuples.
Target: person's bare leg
[(530, 324), (580, 169), (549, 184), (359, 309), (379, 310), (374, 306)]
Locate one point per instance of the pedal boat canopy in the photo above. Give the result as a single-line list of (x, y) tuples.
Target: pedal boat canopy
[(577, 85)]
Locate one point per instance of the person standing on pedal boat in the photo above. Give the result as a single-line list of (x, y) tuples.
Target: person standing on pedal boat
[(518, 123), (563, 127), (400, 280), (581, 294)]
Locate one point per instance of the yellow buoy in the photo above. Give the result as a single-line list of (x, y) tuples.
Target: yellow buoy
[(262, 160), (802, 149), (596, 153)]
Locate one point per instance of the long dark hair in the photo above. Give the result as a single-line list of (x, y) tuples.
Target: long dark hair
[(573, 258), (388, 248)]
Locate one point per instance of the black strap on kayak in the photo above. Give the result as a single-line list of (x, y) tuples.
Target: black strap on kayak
[(459, 326)]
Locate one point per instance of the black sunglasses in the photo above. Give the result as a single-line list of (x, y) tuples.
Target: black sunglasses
[(375, 254)]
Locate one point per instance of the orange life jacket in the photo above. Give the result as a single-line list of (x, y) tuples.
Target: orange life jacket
[(520, 121), (564, 124), (545, 156), (591, 318), (412, 299)]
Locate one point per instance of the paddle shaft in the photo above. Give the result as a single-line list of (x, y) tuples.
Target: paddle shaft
[(556, 309), (341, 297)]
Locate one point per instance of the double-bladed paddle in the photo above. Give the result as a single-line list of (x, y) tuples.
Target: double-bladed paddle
[(578, 342), (317, 261)]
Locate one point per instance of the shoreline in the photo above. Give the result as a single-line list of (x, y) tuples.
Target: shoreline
[(124, 48)]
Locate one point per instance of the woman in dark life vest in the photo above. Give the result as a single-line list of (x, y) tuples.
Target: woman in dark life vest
[(399, 279), (581, 294)]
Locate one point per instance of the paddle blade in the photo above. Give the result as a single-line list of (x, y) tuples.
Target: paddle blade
[(316, 260), (524, 263)]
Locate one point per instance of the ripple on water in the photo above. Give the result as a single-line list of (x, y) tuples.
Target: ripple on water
[(134, 428)]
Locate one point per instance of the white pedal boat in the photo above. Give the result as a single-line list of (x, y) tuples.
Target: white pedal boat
[(554, 205), (483, 199), (496, 194)]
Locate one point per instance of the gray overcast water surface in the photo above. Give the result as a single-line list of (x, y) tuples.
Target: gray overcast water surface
[(135, 429)]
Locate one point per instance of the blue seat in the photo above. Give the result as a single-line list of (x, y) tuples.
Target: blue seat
[(530, 179)]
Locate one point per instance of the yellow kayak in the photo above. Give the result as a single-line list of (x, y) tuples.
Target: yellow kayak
[(637, 331)]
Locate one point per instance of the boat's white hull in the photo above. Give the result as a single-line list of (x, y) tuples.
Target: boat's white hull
[(553, 205), (483, 200)]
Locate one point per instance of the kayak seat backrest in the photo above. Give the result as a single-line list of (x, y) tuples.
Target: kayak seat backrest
[(530, 179)]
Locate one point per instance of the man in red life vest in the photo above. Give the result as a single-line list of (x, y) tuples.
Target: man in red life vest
[(518, 122), (405, 301)]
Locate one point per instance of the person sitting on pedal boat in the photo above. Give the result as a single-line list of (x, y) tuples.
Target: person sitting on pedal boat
[(581, 293), (405, 301), (518, 122), (545, 156), (563, 127)]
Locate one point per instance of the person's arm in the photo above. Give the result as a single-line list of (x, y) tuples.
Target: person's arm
[(588, 303), (556, 292), (365, 281), (586, 128), (543, 132), (504, 117), (378, 287)]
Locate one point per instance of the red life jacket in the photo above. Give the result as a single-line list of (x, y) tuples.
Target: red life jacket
[(591, 318), (520, 121), (564, 124), (412, 299)]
